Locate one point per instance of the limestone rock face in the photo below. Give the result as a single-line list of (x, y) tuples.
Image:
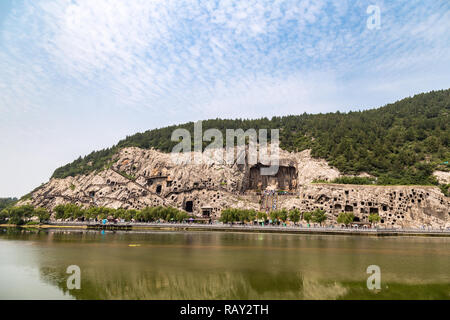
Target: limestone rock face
[(398, 206), (137, 178), (442, 176), (310, 169)]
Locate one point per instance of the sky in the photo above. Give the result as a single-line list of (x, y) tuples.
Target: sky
[(79, 75)]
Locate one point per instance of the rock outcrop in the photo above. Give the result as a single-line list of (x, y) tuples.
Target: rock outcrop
[(137, 178), (442, 176)]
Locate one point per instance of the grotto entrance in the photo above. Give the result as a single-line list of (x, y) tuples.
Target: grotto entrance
[(285, 178), (189, 206)]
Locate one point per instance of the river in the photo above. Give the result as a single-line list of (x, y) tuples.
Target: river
[(219, 265)]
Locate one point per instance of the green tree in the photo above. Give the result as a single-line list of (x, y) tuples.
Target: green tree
[(3, 215), (27, 211), (42, 214), (252, 215), (149, 214), (307, 216), (294, 215), (227, 216), (374, 218), (242, 215), (130, 214), (59, 211), (119, 213), (274, 216), (7, 202), (18, 215), (345, 218), (262, 216), (92, 213), (319, 216), (283, 215), (182, 216)]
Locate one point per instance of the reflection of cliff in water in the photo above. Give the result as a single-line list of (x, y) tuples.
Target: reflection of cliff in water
[(177, 265), (105, 284)]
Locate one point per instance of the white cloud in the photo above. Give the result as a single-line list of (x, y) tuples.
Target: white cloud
[(165, 61), (143, 51)]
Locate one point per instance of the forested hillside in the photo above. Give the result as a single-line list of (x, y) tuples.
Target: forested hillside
[(400, 143), (7, 202)]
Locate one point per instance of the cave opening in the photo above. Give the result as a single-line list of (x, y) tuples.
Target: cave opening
[(189, 206), (284, 179), (158, 188)]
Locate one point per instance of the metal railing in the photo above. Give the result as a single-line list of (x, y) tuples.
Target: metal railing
[(256, 227)]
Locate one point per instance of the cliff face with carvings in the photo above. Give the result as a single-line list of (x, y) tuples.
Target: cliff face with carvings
[(138, 178)]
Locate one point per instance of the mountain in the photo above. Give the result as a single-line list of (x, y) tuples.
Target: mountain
[(386, 162), (401, 143), (145, 179)]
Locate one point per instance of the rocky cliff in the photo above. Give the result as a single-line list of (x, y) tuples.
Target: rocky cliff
[(137, 178)]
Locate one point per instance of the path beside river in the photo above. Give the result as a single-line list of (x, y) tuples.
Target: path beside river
[(245, 228)]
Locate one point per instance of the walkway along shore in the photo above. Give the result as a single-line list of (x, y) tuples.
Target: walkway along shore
[(241, 228)]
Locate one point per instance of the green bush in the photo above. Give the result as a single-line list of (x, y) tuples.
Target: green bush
[(354, 180), (445, 189)]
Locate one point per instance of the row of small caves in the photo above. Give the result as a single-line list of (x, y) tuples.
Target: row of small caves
[(286, 179), (392, 212), (160, 188)]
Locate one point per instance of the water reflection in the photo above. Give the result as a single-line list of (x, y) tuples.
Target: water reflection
[(177, 265)]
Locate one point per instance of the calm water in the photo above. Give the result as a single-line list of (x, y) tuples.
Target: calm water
[(177, 265)]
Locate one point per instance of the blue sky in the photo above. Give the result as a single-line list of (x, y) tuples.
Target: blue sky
[(78, 75)]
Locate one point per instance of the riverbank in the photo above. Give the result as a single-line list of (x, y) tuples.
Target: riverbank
[(240, 228)]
